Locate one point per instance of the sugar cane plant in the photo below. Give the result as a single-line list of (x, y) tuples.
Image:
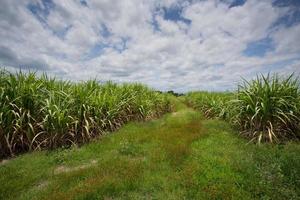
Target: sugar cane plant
[(269, 108), (212, 104), (41, 112), (264, 109)]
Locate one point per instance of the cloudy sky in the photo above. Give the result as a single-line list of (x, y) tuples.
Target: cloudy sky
[(168, 44)]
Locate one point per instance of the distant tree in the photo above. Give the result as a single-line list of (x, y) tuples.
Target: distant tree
[(174, 93)]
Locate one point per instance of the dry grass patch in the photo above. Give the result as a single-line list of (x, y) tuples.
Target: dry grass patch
[(65, 169), (106, 180)]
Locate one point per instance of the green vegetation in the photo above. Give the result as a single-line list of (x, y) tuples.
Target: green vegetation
[(264, 109), (269, 108), (180, 156), (211, 104), (185, 154), (41, 112)]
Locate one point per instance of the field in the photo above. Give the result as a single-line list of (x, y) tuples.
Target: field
[(42, 113), (198, 146), (264, 109)]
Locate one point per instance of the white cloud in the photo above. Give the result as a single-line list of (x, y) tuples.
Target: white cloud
[(141, 45), (287, 40)]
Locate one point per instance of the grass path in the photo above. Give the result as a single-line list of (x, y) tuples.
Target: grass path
[(180, 156)]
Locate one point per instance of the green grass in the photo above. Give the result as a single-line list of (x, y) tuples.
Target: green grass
[(180, 156)]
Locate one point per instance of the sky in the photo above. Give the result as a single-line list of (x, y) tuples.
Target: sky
[(179, 45)]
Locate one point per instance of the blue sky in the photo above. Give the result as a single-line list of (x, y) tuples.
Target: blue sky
[(179, 45)]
